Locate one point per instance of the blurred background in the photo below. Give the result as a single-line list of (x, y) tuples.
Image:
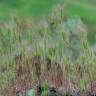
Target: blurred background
[(85, 9)]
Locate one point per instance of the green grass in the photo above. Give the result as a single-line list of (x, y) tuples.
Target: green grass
[(64, 43), (85, 9), (36, 8), (82, 9)]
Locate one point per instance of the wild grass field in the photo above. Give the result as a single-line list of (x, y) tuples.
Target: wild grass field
[(47, 48), (85, 9)]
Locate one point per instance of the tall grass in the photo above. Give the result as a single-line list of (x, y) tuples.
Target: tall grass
[(53, 50)]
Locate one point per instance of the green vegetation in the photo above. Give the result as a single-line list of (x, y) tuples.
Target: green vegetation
[(25, 8), (44, 53), (84, 9), (49, 52)]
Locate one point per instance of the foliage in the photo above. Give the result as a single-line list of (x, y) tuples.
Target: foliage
[(64, 41)]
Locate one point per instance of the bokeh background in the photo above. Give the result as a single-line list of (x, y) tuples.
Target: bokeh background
[(85, 9)]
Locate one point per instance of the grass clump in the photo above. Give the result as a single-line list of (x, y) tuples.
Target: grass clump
[(53, 50)]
